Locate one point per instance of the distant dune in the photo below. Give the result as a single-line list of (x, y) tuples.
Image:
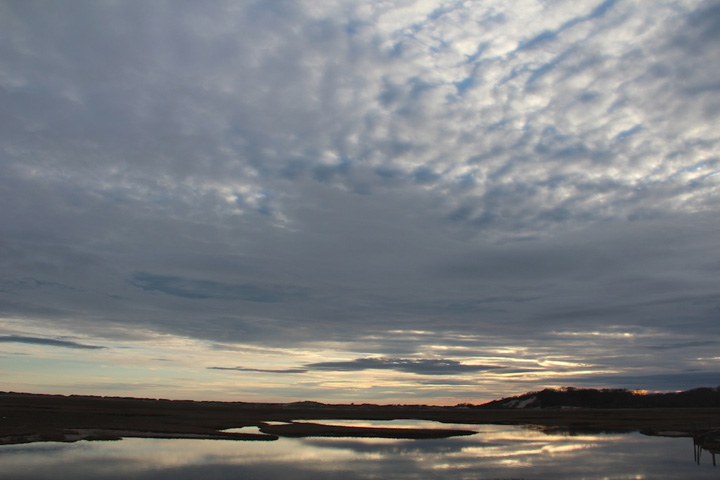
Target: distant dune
[(570, 397)]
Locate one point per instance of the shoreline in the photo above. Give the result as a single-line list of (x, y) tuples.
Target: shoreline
[(29, 418)]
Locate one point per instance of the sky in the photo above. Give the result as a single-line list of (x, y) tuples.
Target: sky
[(397, 201)]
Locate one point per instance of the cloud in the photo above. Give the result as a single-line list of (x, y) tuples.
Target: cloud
[(51, 342), (653, 382), (341, 175), (260, 370), (205, 289), (417, 366), (674, 346)]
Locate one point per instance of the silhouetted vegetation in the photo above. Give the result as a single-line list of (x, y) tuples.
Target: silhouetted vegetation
[(28, 418), (570, 397)]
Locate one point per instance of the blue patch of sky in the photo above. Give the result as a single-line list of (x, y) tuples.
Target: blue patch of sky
[(587, 97), (573, 151), (466, 181), (390, 174), (496, 126), (264, 207), (425, 176), (464, 84), (439, 12), (708, 163), (549, 35), (545, 69), (478, 53), (543, 37), (514, 73), (418, 86), (706, 21), (390, 94), (602, 9), (625, 134), (354, 26), (580, 67), (265, 210)]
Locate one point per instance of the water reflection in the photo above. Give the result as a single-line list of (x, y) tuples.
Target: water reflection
[(710, 443), (495, 452)]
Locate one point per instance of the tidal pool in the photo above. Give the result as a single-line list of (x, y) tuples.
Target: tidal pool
[(495, 452)]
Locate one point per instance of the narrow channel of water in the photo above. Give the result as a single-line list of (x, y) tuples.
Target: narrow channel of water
[(498, 452)]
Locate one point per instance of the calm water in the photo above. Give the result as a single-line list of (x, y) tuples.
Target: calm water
[(495, 452)]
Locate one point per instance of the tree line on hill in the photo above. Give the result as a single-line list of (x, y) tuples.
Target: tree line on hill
[(570, 397)]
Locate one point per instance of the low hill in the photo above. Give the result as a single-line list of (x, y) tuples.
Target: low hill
[(570, 397)]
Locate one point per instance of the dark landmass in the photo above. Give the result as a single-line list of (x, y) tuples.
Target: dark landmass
[(29, 418), (609, 398), (304, 429)]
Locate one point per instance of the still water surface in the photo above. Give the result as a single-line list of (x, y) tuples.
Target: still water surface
[(495, 452)]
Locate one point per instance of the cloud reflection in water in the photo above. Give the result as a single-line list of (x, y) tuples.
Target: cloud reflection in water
[(498, 451)]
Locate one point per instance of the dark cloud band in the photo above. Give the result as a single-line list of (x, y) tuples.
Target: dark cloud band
[(51, 342), (260, 370), (203, 289), (416, 366), (420, 367)]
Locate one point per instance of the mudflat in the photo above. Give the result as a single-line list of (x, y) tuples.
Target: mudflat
[(29, 418)]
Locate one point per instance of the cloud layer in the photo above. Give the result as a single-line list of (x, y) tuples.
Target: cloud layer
[(46, 341), (384, 188)]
